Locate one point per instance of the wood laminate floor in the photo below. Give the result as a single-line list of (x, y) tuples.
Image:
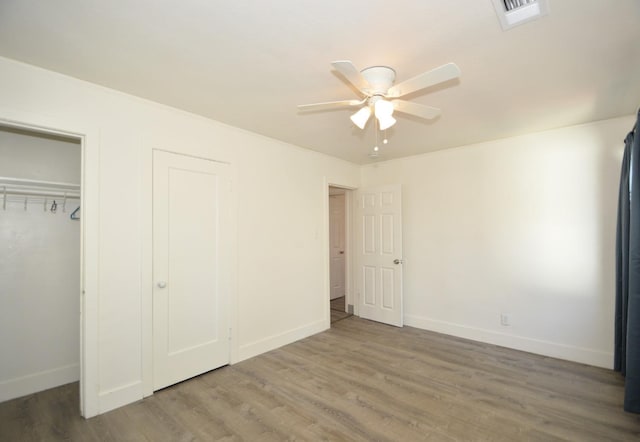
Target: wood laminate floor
[(358, 381), (338, 312)]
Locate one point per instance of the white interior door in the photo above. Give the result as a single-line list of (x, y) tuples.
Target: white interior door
[(337, 245), (379, 249), (190, 267)]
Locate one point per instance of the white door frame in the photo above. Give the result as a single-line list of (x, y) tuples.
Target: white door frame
[(349, 289), (89, 241)]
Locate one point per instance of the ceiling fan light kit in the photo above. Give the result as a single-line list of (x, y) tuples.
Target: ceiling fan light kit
[(386, 122), (361, 117), (376, 85), (384, 112)]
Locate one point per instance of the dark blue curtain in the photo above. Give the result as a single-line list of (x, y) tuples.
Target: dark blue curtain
[(627, 333)]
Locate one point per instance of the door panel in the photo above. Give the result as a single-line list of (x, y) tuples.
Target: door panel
[(191, 277), (387, 247), (369, 285), (369, 234), (379, 245), (387, 276)]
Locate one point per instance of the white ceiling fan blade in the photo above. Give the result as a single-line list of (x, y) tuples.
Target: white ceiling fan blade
[(419, 110), (349, 71), (434, 76), (330, 105)]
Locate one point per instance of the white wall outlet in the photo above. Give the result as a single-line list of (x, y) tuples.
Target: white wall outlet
[(505, 319)]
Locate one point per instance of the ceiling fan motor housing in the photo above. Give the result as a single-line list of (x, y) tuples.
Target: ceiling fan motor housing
[(380, 79)]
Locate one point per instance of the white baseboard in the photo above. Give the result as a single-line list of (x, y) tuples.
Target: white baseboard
[(545, 348), (272, 342), (117, 397), (32, 383)]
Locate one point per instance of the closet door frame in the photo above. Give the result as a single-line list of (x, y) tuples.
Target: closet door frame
[(89, 238)]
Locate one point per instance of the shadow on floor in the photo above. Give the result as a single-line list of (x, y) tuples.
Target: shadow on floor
[(338, 312)]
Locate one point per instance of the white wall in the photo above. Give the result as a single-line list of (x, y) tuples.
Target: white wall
[(39, 271), (36, 156), (282, 235), (523, 226), (283, 244)]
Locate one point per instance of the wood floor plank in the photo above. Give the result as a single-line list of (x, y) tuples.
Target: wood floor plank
[(359, 381), (337, 309)]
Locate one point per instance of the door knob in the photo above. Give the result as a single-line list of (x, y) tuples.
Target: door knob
[(162, 284), (398, 261), (342, 252)]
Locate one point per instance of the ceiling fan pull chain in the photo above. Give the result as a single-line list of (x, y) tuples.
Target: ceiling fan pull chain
[(376, 128)]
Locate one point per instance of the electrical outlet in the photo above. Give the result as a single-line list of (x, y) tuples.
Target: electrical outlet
[(505, 319)]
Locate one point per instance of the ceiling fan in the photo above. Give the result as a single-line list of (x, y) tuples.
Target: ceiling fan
[(375, 84)]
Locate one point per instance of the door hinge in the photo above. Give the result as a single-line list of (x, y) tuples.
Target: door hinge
[(229, 333)]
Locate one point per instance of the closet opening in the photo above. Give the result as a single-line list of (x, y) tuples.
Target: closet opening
[(41, 261)]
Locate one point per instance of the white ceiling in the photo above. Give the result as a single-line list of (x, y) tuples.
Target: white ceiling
[(249, 63)]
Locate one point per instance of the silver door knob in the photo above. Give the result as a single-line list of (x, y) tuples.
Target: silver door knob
[(162, 284), (398, 261)]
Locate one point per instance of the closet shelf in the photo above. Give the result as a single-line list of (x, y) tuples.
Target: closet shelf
[(17, 187)]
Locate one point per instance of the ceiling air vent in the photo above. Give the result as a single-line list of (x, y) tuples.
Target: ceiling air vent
[(516, 12)]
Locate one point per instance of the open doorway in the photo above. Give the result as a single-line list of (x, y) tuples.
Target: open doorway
[(40, 235), (340, 307)]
